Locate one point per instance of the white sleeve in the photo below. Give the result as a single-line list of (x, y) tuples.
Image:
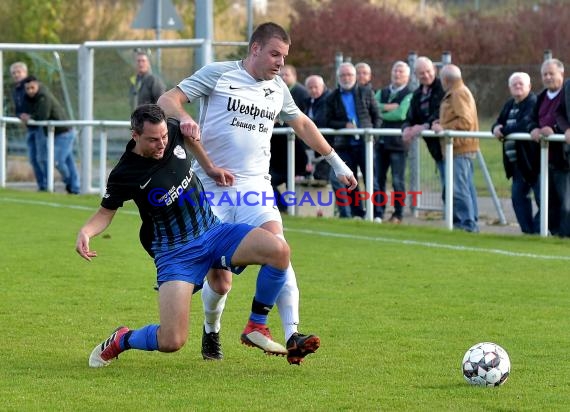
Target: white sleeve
[(202, 82), (290, 110)]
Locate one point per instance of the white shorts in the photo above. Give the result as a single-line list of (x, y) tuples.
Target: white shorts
[(249, 201)]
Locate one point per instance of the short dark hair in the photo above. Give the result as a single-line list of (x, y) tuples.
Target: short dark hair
[(151, 113), (266, 31), (29, 79)]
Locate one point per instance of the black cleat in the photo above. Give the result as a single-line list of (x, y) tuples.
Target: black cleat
[(299, 346), (211, 346)]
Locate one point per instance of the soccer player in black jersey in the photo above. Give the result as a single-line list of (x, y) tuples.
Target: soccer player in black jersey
[(188, 239)]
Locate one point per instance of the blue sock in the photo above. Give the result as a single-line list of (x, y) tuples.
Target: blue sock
[(269, 283), (257, 318), (145, 338)]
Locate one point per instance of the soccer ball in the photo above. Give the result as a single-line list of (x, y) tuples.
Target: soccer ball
[(486, 364)]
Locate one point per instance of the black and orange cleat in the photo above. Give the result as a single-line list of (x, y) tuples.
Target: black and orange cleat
[(299, 346)]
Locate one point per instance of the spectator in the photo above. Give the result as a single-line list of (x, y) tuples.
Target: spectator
[(279, 160), (561, 169), (34, 134), (521, 158), (18, 71), (315, 109), (424, 110), (44, 106), (315, 104), (543, 124), (363, 74), (351, 106), (459, 112), (391, 152), (298, 91), (145, 86)]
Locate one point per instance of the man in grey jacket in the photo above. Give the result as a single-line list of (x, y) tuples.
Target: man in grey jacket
[(145, 86)]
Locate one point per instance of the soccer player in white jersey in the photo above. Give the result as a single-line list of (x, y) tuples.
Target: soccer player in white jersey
[(240, 102)]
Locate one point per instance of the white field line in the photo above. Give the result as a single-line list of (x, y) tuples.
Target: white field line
[(431, 245), (337, 235)]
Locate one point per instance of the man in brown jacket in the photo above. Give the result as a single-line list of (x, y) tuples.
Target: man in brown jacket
[(459, 112)]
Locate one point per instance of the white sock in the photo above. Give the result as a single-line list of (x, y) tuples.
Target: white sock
[(288, 304), (214, 305)]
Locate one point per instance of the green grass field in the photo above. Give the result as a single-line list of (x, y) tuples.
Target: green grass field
[(396, 307)]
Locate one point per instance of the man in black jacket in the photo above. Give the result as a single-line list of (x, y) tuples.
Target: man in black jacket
[(315, 104), (521, 159), (351, 106), (145, 87), (424, 110), (315, 109)]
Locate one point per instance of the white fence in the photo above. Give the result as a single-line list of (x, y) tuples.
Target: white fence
[(368, 134), (86, 75), (102, 125)]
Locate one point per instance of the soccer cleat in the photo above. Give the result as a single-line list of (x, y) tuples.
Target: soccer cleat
[(299, 346), (258, 336), (108, 349), (211, 346)]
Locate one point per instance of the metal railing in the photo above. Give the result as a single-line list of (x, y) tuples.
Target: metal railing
[(102, 125), (368, 134), (86, 77), (448, 135)]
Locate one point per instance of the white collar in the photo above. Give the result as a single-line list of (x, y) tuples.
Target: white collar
[(552, 95)]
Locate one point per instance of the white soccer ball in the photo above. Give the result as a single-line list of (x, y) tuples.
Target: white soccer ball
[(486, 364)]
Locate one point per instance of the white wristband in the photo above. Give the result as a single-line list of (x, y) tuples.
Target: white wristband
[(340, 168)]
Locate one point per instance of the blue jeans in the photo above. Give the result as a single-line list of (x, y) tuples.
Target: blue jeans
[(522, 203), (35, 138), (465, 210), (64, 160), (395, 160)]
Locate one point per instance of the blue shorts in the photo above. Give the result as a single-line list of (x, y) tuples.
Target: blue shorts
[(191, 261)]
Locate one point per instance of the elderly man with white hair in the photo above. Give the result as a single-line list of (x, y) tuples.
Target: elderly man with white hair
[(350, 106), (424, 110), (548, 118), (315, 103), (459, 112), (521, 158)]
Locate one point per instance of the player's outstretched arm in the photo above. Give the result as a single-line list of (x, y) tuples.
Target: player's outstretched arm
[(221, 176), (172, 102), (310, 134), (95, 225)]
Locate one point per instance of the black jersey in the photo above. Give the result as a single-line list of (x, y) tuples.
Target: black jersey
[(167, 192)]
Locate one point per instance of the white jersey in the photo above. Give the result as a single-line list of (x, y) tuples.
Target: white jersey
[(237, 114)]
